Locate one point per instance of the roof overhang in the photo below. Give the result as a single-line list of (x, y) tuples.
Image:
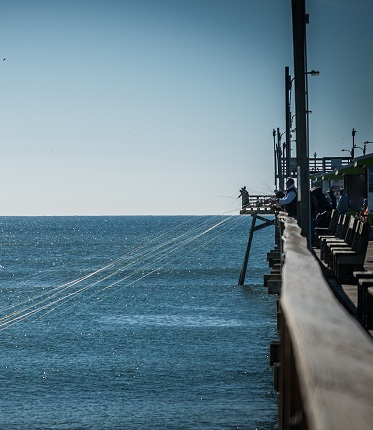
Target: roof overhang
[(364, 161), (350, 170), (328, 176)]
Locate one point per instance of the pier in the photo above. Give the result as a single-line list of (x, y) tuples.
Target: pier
[(323, 360)]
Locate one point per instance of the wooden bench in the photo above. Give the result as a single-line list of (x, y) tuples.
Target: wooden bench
[(340, 233), (368, 310), (365, 301), (345, 262), (327, 231), (346, 243), (362, 285)]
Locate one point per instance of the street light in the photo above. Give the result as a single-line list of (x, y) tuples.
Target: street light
[(313, 73), (365, 146), (289, 117), (352, 152)]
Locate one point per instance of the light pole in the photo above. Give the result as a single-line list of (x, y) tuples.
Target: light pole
[(287, 119), (347, 150), (352, 152), (353, 143), (365, 146), (280, 157), (274, 154)]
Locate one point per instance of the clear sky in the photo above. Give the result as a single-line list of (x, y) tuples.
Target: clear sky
[(130, 107)]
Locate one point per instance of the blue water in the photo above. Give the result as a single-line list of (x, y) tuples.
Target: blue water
[(160, 338)]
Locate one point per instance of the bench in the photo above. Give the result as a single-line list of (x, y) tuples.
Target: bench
[(345, 262), (327, 231), (368, 310), (365, 301), (340, 233), (335, 244)]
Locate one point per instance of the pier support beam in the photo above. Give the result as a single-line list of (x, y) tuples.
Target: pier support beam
[(254, 227)]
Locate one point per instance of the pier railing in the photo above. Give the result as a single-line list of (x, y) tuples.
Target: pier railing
[(258, 204), (325, 377)]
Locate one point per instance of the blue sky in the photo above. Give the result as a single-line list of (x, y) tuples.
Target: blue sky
[(166, 106)]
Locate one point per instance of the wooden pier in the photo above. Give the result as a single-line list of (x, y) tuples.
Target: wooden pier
[(323, 363)]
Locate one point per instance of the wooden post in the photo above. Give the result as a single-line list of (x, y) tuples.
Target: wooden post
[(241, 280), (287, 120), (266, 223), (299, 47)]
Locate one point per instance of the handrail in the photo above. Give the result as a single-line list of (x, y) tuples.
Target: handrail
[(326, 372)]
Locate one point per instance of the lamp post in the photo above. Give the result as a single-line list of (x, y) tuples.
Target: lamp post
[(365, 146), (287, 119), (353, 144), (274, 154), (313, 73), (352, 152), (347, 150), (280, 158)]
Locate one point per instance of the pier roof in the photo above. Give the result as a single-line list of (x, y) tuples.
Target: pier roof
[(364, 161), (350, 170)]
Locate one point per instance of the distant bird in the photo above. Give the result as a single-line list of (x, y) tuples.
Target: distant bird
[(4, 59)]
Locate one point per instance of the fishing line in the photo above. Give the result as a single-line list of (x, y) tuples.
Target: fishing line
[(152, 271), (138, 252), (42, 305), (60, 289), (144, 275)]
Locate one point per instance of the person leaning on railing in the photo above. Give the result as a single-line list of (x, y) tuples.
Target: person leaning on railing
[(289, 201)]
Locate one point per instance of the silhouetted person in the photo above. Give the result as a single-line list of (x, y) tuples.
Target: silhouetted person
[(333, 199), (343, 203), (245, 197)]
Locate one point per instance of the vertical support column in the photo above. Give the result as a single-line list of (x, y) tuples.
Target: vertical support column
[(280, 156), (241, 280), (287, 120), (299, 41), (275, 158)]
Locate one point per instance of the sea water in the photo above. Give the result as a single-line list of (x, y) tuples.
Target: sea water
[(134, 323)]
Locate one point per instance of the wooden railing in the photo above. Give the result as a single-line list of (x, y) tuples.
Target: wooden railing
[(325, 371), (259, 203), (316, 165)]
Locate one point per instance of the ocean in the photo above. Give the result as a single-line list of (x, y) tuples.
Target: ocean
[(135, 322)]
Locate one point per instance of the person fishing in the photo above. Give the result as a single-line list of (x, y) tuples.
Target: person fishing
[(289, 201), (245, 197)]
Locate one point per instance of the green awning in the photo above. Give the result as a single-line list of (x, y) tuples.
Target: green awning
[(350, 170), (316, 176), (331, 175), (364, 161), (328, 176)]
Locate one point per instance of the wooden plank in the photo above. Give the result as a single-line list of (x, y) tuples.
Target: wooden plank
[(333, 354)]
